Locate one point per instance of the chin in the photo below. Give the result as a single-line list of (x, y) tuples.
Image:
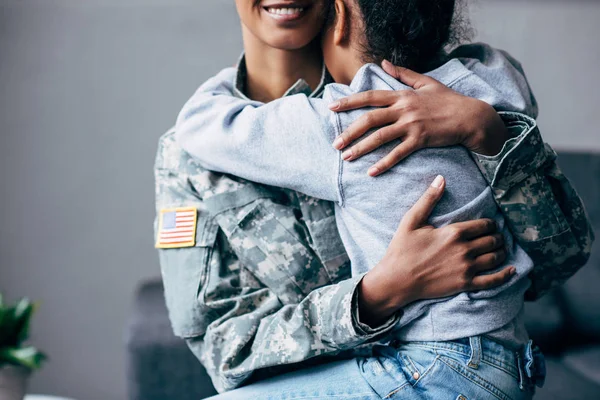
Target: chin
[(287, 28), (289, 42)]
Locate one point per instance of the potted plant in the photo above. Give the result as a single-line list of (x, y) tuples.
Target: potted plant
[(17, 360)]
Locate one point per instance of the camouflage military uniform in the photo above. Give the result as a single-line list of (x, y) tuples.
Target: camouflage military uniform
[(267, 282)]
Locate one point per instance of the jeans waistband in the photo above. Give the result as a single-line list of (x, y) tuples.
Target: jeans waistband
[(527, 364)]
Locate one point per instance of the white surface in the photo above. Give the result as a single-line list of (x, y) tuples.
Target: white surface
[(43, 397)]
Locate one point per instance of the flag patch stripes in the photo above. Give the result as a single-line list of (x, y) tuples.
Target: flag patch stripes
[(177, 228)]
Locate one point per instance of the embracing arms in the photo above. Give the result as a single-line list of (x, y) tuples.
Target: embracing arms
[(540, 206), (239, 307), (252, 326), (246, 304)]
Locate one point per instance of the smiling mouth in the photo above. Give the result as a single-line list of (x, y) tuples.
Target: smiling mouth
[(286, 12)]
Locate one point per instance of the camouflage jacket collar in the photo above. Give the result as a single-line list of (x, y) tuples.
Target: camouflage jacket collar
[(300, 87)]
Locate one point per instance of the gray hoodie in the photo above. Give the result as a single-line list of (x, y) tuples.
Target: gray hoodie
[(288, 143)]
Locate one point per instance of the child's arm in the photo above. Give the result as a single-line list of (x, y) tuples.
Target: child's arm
[(285, 143)]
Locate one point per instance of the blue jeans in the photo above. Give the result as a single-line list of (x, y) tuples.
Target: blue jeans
[(475, 368)]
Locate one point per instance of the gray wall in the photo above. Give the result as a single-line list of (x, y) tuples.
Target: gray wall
[(86, 89), (557, 42)]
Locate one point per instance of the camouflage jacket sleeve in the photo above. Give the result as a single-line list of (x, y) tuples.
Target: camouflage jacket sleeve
[(541, 207), (251, 294)]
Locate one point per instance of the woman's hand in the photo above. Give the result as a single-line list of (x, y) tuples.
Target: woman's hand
[(432, 115), (423, 262)]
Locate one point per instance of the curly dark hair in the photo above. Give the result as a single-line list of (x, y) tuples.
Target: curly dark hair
[(412, 33)]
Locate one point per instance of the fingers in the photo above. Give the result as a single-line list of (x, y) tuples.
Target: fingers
[(473, 229), (417, 216), (407, 76), (488, 261), (398, 154), (373, 141), (371, 98), (485, 244), (366, 122), (483, 282)]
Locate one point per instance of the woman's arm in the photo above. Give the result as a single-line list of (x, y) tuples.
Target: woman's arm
[(541, 208), (540, 205), (240, 312)]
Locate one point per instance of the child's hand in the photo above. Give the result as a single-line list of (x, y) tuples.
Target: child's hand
[(432, 115)]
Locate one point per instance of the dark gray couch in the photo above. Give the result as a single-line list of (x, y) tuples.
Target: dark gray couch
[(566, 325)]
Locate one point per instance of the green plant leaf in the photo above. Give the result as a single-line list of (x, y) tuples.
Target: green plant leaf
[(2, 317), (7, 329), (28, 357), (15, 320), (14, 329), (23, 312)]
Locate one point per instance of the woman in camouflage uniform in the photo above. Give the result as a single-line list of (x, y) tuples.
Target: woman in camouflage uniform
[(264, 285)]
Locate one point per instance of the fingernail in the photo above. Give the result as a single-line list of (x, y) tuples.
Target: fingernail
[(338, 143), (512, 270), (373, 171), (347, 155), (437, 182), (385, 62), (335, 105)]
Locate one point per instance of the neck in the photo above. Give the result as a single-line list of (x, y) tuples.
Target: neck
[(349, 67), (343, 59), (271, 72)]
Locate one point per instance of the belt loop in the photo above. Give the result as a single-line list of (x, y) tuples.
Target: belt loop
[(521, 372), (532, 366), (475, 343)]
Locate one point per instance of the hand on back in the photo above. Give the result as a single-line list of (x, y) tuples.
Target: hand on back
[(423, 262), (431, 115)]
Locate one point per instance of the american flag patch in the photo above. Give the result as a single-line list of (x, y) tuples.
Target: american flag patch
[(177, 228)]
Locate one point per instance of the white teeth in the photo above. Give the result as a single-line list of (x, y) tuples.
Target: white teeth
[(285, 11)]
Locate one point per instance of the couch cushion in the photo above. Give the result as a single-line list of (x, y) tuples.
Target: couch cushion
[(582, 299), (160, 366), (586, 361), (545, 323), (583, 170), (581, 294), (562, 383)]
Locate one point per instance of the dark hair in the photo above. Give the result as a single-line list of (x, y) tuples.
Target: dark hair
[(411, 33)]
